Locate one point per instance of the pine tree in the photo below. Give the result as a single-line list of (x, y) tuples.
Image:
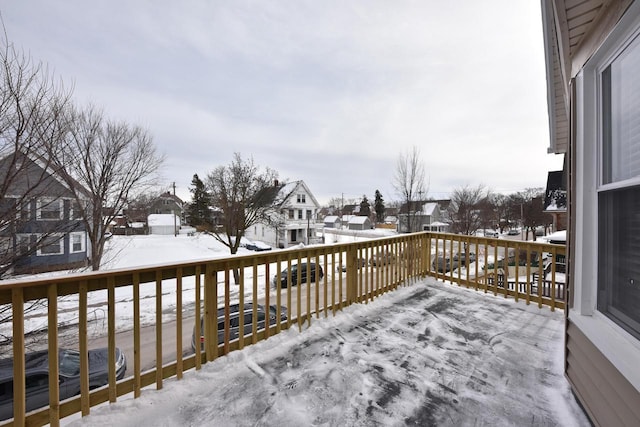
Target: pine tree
[(198, 212), (378, 206), (365, 207)]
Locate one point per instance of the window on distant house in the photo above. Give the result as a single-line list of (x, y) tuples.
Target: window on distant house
[(291, 214), (77, 240), (308, 214), (299, 213), (619, 190), (50, 209), (51, 245), (302, 198), (23, 244), (74, 210)]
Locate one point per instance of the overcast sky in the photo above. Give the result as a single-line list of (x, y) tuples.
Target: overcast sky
[(329, 92)]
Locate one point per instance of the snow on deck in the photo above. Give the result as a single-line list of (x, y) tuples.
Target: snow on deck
[(427, 354)]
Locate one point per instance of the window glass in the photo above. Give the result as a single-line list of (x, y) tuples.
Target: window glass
[(621, 116), (51, 245), (23, 243), (619, 209), (36, 380), (77, 242), (619, 260), (6, 390), (50, 209)]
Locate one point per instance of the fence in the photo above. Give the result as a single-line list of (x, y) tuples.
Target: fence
[(151, 313)]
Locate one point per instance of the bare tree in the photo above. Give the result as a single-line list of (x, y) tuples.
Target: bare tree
[(530, 205), (244, 194), (465, 208), (31, 118), (409, 182), (106, 162)]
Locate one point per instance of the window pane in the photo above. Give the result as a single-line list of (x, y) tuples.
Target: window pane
[(51, 245), (619, 257), (621, 116)]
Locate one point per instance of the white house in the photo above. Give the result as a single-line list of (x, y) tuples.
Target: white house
[(425, 216), (293, 219)]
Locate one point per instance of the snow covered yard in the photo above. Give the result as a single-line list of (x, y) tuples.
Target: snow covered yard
[(427, 354)]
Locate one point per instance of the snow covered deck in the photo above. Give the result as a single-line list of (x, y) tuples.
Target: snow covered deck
[(426, 354)]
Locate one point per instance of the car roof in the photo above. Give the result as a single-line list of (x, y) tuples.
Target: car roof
[(37, 361)]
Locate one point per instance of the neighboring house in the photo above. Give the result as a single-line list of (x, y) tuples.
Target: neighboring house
[(359, 223), (555, 199), (593, 75), (167, 203), (332, 221), (348, 210), (41, 226), (293, 219), (424, 216), (164, 224)]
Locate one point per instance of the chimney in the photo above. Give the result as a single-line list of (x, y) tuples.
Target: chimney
[(275, 183)]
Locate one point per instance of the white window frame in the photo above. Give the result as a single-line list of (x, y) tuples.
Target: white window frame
[(60, 244), (82, 236), (47, 201), (619, 346)]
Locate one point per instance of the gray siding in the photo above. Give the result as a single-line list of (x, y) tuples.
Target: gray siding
[(607, 396)]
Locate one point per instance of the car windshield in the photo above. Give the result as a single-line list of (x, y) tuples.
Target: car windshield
[(69, 363)]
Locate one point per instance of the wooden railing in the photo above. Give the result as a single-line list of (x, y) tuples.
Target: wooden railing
[(351, 273)]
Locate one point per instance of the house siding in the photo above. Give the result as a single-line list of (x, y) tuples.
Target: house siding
[(605, 394), (36, 185)]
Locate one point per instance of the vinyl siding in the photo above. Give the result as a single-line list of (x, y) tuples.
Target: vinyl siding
[(607, 396)]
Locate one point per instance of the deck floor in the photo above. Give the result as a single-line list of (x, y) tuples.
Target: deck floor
[(428, 354)]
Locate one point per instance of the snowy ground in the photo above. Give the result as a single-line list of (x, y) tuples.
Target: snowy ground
[(427, 354)]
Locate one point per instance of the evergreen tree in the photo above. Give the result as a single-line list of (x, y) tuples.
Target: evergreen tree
[(198, 211), (365, 207), (378, 206)]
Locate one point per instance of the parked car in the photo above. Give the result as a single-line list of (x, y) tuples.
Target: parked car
[(37, 376), (234, 322), (444, 264), (258, 246), (361, 262), (315, 271), (382, 258), (513, 232)]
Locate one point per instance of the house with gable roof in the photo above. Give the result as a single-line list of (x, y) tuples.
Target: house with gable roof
[(293, 219), (41, 228), (424, 216)]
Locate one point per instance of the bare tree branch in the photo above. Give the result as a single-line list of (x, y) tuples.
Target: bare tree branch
[(409, 182)]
